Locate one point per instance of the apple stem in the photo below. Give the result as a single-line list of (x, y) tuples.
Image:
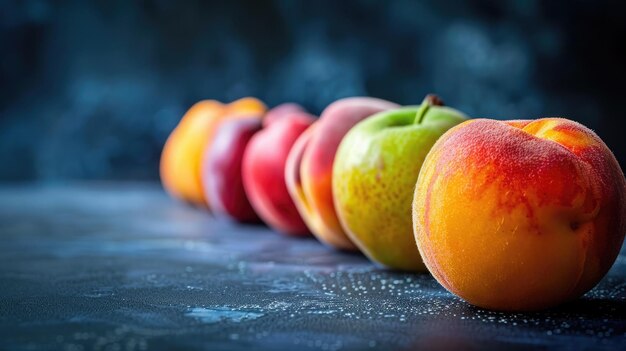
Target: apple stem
[(429, 100)]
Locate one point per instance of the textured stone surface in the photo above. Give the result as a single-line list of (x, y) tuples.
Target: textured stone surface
[(123, 267)]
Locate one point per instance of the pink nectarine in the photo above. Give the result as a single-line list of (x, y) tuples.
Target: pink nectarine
[(310, 164), (264, 171)]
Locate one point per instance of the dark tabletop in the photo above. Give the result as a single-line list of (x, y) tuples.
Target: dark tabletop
[(123, 267)]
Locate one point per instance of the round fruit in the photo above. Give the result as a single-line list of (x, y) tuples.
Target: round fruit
[(519, 215)]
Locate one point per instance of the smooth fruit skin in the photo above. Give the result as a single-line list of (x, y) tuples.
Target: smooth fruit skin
[(310, 163), (264, 172), (280, 111), (374, 175), (519, 215), (222, 170), (181, 159)]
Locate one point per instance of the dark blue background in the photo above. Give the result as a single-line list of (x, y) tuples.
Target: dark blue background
[(90, 90)]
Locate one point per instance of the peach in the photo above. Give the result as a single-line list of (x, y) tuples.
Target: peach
[(519, 215), (263, 170), (183, 151), (309, 166)]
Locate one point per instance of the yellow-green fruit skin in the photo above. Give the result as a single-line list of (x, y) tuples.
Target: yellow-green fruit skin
[(374, 175)]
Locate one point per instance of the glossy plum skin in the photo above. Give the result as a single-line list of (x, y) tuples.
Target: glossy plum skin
[(222, 170)]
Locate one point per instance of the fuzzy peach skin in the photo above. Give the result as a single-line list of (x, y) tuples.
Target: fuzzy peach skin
[(184, 149), (519, 215), (308, 172)]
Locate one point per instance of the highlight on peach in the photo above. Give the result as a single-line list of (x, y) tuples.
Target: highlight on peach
[(514, 215)]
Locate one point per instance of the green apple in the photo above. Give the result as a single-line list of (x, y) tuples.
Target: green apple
[(374, 175)]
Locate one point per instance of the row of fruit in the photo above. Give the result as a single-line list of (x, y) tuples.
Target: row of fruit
[(508, 215)]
